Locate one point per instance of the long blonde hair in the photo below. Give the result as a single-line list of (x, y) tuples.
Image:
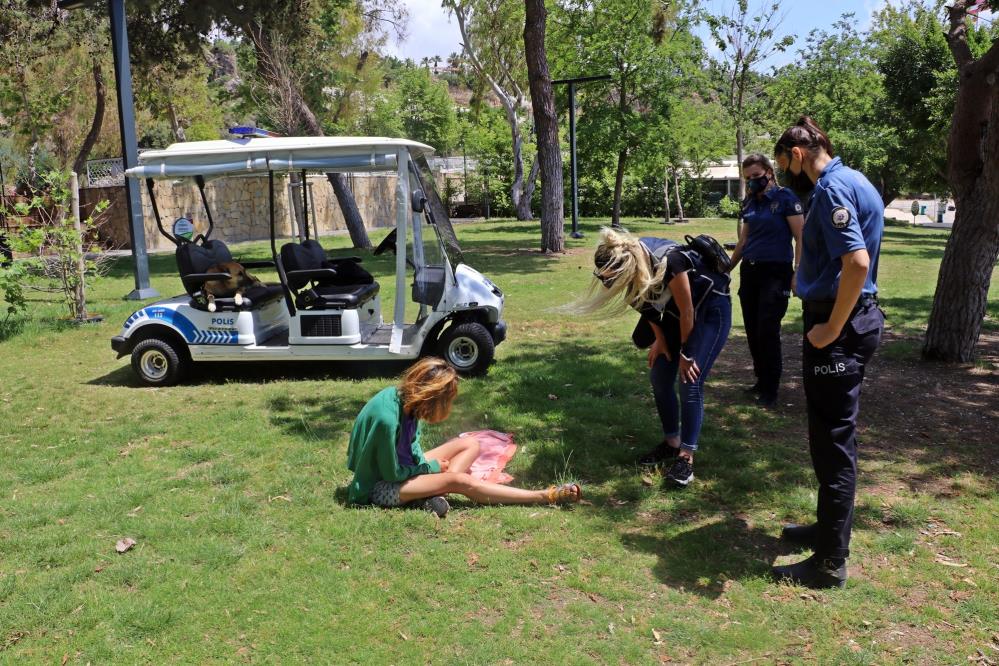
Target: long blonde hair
[(621, 257)]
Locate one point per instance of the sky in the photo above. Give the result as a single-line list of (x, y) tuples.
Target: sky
[(431, 32)]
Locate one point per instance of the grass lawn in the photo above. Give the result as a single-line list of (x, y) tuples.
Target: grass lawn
[(233, 487)]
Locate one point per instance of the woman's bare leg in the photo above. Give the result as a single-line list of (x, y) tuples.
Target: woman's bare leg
[(460, 453), (428, 485)]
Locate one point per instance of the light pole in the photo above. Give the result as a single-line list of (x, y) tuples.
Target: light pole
[(576, 233), (129, 145)]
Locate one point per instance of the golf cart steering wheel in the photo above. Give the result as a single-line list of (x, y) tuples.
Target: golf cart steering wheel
[(388, 243)]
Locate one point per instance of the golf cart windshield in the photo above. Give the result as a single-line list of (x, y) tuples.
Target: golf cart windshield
[(438, 212)]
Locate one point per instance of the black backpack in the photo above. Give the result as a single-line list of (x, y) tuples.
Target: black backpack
[(711, 252)]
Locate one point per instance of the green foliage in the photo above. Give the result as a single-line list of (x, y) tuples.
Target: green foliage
[(46, 82), (485, 138), (426, 110), (649, 53), (729, 207), (836, 82), (920, 85), (56, 250)]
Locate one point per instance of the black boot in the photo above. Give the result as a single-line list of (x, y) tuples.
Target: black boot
[(816, 572), (767, 400), (799, 535), (752, 390)]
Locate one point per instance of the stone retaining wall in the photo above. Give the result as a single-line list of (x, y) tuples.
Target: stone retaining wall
[(240, 208)]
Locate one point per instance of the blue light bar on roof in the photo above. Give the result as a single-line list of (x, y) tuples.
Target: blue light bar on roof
[(252, 132)]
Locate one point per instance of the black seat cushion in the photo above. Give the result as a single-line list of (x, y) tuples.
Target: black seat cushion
[(253, 297), (310, 255), (335, 296), (194, 258)]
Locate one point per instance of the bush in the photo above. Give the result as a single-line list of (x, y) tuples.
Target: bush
[(729, 207), (60, 258)]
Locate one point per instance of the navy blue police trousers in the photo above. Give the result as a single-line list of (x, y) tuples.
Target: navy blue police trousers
[(832, 378), (764, 289)]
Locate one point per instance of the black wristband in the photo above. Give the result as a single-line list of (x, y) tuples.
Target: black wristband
[(684, 353)]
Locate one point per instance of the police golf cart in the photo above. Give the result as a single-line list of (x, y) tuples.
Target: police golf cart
[(323, 309)]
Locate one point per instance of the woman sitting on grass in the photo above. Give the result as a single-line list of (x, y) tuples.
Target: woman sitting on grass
[(390, 468)]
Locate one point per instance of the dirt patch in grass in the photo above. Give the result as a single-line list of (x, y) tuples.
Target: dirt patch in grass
[(937, 418)]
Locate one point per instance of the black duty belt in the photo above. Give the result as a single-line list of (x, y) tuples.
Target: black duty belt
[(766, 264), (826, 306)]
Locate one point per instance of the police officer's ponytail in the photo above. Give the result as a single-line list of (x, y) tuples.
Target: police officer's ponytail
[(804, 134)]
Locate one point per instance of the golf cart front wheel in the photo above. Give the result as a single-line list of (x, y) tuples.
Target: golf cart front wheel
[(157, 362), (468, 348)]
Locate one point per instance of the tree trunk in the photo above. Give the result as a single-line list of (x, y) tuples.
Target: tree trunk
[(676, 190), (527, 192), (175, 126), (666, 196), (961, 297), (959, 304), (345, 198), (739, 149), (521, 205), (295, 180), (100, 97), (622, 159), (355, 225), (545, 121)]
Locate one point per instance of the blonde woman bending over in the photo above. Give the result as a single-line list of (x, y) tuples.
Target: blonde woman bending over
[(686, 314), (391, 469)]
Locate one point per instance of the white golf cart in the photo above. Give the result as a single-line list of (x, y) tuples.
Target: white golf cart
[(323, 309)]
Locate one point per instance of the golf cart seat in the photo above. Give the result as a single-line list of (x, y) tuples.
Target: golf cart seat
[(319, 282), (193, 260)]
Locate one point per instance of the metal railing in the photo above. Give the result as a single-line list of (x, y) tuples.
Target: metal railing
[(105, 173)]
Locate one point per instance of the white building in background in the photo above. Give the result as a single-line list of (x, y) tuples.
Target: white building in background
[(722, 177)]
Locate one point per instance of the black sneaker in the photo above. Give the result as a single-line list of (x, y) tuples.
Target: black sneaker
[(752, 390), (663, 453), (681, 472), (816, 572), (799, 535), (437, 505)]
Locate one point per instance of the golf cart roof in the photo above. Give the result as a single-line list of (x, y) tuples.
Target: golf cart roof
[(258, 155)]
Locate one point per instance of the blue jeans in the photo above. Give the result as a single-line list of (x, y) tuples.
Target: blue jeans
[(684, 416)]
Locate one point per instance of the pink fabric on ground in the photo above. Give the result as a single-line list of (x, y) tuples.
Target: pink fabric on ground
[(495, 451)]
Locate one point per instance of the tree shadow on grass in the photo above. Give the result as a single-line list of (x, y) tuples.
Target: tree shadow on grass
[(590, 414), (256, 372), (702, 559), (322, 419)]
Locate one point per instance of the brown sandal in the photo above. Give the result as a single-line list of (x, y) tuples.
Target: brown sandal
[(567, 493)]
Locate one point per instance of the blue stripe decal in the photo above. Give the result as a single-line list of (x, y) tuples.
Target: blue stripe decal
[(187, 328)]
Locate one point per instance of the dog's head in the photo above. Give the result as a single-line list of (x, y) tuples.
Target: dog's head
[(238, 278)]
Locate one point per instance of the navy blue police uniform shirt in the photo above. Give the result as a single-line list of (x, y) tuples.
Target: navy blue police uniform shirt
[(846, 214), (769, 236)]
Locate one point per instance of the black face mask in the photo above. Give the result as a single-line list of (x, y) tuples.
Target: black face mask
[(798, 183), (757, 185)]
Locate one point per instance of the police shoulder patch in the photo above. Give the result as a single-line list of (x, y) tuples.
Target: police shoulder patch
[(840, 217), (797, 207)]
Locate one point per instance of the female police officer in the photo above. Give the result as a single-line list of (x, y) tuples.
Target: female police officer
[(772, 216), (837, 282)]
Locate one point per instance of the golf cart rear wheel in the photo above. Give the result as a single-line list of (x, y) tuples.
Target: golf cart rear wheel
[(157, 362), (468, 348)]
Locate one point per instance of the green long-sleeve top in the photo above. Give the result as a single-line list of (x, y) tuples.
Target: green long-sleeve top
[(372, 455)]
